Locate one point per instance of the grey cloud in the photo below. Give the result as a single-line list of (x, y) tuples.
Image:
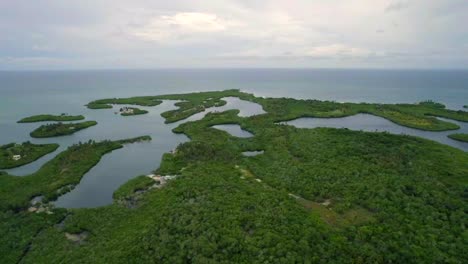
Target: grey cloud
[(184, 33), (397, 6)]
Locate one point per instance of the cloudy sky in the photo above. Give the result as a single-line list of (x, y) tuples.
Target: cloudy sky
[(105, 34)]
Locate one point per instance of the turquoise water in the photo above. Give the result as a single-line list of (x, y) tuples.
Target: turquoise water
[(28, 93)]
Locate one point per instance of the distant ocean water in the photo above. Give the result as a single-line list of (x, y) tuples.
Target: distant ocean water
[(28, 93), (67, 87)]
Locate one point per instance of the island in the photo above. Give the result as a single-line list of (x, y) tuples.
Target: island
[(131, 111), (459, 136), (140, 100), (15, 155), (322, 195), (59, 118), (60, 129)]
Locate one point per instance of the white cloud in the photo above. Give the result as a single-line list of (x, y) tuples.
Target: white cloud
[(181, 25)]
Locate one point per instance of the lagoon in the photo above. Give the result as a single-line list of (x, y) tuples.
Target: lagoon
[(370, 123), (24, 94)]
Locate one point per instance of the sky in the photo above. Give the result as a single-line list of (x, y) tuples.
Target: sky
[(140, 34)]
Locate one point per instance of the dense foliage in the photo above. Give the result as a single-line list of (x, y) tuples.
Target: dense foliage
[(58, 175), (314, 195), (58, 118), (60, 129), (140, 100), (18, 228), (419, 116), (27, 151), (134, 111)]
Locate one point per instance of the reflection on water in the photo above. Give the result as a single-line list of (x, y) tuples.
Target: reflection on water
[(234, 130), (370, 123)]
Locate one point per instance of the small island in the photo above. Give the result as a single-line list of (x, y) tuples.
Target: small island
[(60, 129), (459, 136), (58, 118), (131, 111), (15, 155)]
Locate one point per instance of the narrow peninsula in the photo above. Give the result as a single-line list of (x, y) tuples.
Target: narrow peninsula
[(459, 136), (15, 155)]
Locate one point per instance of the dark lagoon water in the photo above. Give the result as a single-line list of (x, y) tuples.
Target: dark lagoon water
[(28, 93)]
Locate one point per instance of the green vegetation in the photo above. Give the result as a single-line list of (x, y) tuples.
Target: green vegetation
[(25, 153), (194, 103), (59, 118), (131, 111), (93, 105), (57, 175), (315, 195), (140, 100), (18, 228), (134, 140), (134, 185), (431, 103), (190, 104), (420, 116), (60, 129), (460, 137)]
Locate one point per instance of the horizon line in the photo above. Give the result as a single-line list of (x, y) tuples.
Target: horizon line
[(234, 68)]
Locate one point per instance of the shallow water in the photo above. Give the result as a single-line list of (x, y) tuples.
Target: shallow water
[(371, 123), (234, 130), (252, 153)]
